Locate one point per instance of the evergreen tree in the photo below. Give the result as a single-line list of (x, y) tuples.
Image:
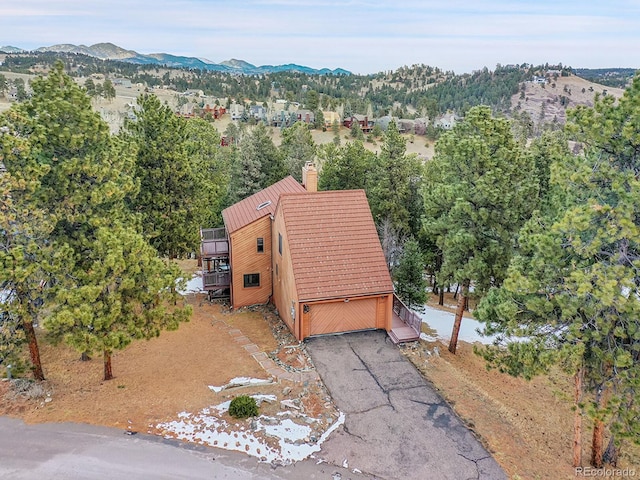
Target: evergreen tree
[(211, 169), (297, 148), (335, 129), (394, 189), (85, 177), (166, 202), (410, 284), (356, 131), (90, 87), (108, 90), (24, 251), (479, 191), (571, 296), (348, 168), (124, 293), (258, 165)]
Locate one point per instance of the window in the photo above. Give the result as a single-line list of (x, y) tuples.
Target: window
[(260, 245), (251, 280), (276, 269), (280, 243)]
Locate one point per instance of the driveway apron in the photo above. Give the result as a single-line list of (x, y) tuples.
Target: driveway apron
[(396, 426)]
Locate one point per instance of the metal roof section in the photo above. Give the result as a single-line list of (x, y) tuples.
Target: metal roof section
[(334, 245), (258, 205)]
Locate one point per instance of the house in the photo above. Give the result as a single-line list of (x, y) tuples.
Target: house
[(248, 225), (315, 255), (258, 112), (366, 125), (541, 80), (330, 117), (330, 274), (306, 116), (236, 111), (216, 111), (124, 82), (446, 121)]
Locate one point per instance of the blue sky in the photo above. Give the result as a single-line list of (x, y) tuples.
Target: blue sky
[(364, 36)]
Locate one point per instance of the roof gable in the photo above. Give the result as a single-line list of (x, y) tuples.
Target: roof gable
[(334, 246), (258, 205)]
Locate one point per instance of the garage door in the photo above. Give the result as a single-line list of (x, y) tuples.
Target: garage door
[(343, 316)]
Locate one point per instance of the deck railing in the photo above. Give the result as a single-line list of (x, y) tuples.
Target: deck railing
[(406, 315), (216, 279), (214, 242)]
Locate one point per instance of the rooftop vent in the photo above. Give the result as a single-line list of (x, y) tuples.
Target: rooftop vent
[(263, 205)]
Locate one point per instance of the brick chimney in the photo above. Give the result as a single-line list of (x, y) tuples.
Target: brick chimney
[(310, 177)]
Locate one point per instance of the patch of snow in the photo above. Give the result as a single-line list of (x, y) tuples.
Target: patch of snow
[(442, 322), (293, 442), (240, 382), (264, 398), (194, 285), (427, 338)]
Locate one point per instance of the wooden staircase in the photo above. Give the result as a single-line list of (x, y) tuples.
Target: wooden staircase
[(405, 326)]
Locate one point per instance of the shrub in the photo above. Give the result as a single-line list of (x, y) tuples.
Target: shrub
[(243, 406)]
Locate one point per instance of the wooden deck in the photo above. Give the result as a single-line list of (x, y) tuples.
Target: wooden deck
[(214, 255), (405, 325)]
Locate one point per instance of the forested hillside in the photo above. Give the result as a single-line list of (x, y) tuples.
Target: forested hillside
[(408, 92)]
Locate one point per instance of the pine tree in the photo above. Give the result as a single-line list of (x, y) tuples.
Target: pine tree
[(110, 286), (347, 168), (125, 293), (108, 90), (410, 284), (394, 189), (297, 148), (211, 166), (168, 180), (571, 295), (24, 250), (479, 192), (258, 165)]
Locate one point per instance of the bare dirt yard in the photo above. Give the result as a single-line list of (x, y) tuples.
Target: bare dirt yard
[(162, 387)]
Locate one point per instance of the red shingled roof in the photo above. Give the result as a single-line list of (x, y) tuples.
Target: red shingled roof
[(246, 211), (335, 250)]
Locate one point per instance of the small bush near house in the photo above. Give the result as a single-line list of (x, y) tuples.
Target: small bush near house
[(243, 407)]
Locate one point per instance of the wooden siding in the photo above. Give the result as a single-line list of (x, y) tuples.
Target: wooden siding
[(342, 316), (284, 288), (383, 312), (245, 259)]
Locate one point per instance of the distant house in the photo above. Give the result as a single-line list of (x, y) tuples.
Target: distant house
[(315, 255), (383, 122), (258, 112), (187, 110), (446, 121), (537, 79), (216, 111), (306, 116), (366, 125), (330, 117), (194, 93), (236, 110)]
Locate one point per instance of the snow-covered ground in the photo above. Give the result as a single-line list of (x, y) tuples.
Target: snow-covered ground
[(194, 285), (442, 322), (281, 439)]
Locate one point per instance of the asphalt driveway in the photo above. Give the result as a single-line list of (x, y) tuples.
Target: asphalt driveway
[(397, 426)]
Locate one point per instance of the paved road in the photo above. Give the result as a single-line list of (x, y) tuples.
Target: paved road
[(397, 426), (83, 452)]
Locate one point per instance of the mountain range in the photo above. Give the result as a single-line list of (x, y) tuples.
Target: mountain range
[(109, 51)]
